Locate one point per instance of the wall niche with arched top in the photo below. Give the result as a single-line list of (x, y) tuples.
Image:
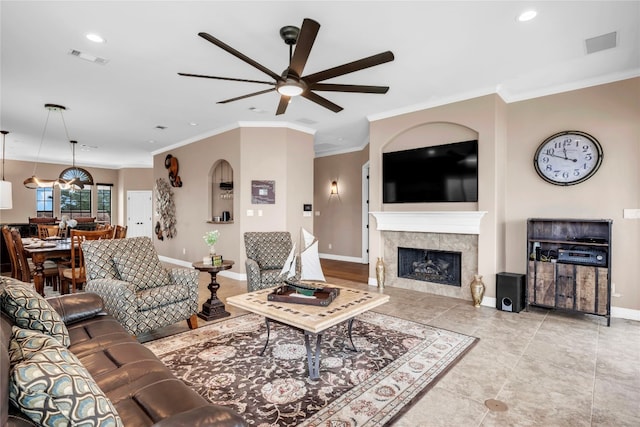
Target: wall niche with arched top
[(221, 191)]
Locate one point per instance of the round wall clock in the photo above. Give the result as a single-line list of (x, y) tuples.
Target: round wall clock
[(568, 158)]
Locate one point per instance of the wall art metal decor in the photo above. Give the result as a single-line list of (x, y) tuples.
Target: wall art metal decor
[(171, 163), (263, 192), (166, 208)]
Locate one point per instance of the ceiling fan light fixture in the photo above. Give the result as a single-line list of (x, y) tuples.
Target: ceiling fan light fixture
[(290, 88)]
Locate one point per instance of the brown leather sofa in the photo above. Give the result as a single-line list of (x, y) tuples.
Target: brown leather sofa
[(142, 389)]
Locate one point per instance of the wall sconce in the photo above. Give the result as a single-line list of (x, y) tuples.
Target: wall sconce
[(334, 188)]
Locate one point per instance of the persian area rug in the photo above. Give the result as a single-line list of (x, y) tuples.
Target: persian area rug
[(397, 361)]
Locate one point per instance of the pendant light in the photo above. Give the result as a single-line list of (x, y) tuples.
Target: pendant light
[(6, 199), (74, 183), (34, 181)]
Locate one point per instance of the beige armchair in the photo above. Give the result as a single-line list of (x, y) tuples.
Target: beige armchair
[(137, 290), (266, 255)]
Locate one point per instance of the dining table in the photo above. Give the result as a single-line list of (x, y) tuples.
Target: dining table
[(41, 250)]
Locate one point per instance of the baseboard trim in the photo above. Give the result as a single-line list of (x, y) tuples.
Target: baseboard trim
[(616, 312), (181, 263), (625, 313), (342, 258)]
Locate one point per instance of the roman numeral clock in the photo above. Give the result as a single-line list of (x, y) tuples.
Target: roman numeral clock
[(568, 158)]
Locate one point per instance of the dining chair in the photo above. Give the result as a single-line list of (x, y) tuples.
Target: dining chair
[(8, 240), (23, 268), (120, 232), (74, 272), (46, 230)]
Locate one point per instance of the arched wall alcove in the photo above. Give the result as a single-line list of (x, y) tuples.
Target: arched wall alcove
[(429, 134), (221, 192)]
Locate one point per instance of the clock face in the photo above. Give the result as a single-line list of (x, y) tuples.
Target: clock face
[(568, 158)]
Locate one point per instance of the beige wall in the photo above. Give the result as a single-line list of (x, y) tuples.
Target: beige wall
[(278, 154), (340, 221), (137, 179), (454, 121), (24, 199), (510, 190), (611, 114)]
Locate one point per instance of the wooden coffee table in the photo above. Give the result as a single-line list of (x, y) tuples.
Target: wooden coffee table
[(310, 319)]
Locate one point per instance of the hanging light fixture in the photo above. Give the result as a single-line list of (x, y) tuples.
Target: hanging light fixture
[(36, 182), (6, 200), (74, 183)]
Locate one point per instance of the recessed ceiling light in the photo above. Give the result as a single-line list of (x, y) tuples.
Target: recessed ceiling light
[(527, 15), (95, 38), (193, 124), (152, 141)]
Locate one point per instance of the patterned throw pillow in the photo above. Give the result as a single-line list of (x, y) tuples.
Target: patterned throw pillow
[(23, 345), (53, 388), (143, 269), (29, 310)]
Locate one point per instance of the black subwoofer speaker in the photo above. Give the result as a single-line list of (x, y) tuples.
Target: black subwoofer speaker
[(510, 292)]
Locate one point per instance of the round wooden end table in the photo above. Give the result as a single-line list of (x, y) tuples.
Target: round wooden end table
[(213, 308)]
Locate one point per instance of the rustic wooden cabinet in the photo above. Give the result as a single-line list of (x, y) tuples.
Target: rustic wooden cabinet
[(569, 265)]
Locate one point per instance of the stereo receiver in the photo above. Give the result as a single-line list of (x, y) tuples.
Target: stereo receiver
[(583, 256)]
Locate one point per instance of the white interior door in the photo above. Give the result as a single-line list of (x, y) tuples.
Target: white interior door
[(139, 214)]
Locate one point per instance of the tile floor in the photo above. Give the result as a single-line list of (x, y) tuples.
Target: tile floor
[(550, 369)]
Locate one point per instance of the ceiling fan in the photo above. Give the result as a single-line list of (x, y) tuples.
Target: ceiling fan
[(291, 82)]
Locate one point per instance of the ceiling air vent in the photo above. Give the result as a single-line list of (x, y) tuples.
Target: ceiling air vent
[(306, 121), (88, 57), (603, 42)]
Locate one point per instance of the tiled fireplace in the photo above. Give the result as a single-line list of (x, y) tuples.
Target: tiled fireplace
[(447, 234), (429, 265)]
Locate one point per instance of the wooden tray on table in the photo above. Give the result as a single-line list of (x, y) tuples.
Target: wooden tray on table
[(322, 296)]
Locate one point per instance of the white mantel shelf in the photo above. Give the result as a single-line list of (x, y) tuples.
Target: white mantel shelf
[(456, 222)]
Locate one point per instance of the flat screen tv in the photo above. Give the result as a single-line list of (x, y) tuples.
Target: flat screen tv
[(441, 173)]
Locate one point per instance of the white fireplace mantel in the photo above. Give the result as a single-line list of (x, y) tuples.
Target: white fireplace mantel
[(457, 222)]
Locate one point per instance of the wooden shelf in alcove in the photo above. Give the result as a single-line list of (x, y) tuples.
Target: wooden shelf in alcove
[(219, 222)]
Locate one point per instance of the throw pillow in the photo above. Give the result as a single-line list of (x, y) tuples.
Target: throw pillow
[(53, 388), (23, 345), (142, 269), (30, 310)]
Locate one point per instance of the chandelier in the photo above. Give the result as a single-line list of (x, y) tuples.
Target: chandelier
[(34, 181)]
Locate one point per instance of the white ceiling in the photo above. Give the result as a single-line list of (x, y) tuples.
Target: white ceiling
[(444, 51)]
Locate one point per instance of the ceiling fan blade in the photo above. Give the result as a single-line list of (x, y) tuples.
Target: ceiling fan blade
[(307, 36), (246, 96), (351, 67), (322, 101), (349, 88), (226, 78), (239, 55), (283, 104)]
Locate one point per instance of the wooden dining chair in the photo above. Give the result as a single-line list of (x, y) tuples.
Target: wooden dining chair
[(8, 240), (120, 232), (24, 269), (46, 230), (74, 272)]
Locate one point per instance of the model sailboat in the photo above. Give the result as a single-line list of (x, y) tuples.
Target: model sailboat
[(310, 268)]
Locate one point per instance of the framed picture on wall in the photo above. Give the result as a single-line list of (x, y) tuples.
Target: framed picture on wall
[(263, 192)]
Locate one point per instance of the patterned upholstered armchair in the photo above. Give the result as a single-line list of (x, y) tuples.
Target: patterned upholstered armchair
[(266, 255), (137, 290)]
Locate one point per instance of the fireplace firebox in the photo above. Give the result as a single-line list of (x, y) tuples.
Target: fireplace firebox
[(443, 267)]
